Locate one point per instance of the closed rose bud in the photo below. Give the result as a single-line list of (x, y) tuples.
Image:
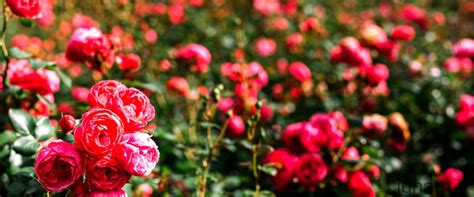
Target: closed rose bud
[(104, 174), (138, 154), (294, 42), (179, 85), (128, 62), (67, 123), (58, 166), (30, 9), (286, 172), (464, 48), (311, 170), (450, 178), (373, 35), (265, 47), (235, 127), (150, 36), (350, 154), (99, 132), (300, 71), (360, 185), (403, 32), (144, 190), (310, 24)]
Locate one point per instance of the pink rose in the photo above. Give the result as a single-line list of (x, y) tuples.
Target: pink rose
[(58, 166), (265, 47), (450, 178), (179, 85), (403, 32), (133, 107), (138, 154), (105, 174), (235, 127), (464, 48), (359, 184), (198, 55), (102, 91), (78, 41), (300, 71)]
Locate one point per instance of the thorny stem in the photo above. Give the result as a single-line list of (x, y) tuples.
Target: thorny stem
[(4, 50)]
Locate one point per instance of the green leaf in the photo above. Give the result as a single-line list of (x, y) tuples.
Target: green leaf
[(19, 54), (26, 145), (65, 80), (22, 121), (26, 22), (44, 130), (7, 137), (268, 169), (36, 63)]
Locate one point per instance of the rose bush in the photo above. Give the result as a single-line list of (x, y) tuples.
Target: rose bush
[(240, 98)]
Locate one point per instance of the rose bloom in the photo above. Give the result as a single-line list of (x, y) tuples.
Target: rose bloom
[(99, 132), (133, 107), (311, 170), (461, 65), (403, 32), (138, 154), (102, 91), (58, 166), (359, 184), (373, 35), (374, 124), (105, 174), (464, 48), (450, 178), (266, 7), (265, 47), (113, 193), (78, 41), (128, 62), (179, 85), (42, 81), (300, 71), (198, 55), (30, 9), (80, 94), (350, 154), (377, 73), (285, 165), (150, 36)]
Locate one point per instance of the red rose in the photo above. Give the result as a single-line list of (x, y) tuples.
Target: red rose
[(198, 55), (105, 175), (286, 168), (114, 193), (30, 9), (128, 62), (102, 91), (311, 170), (78, 41), (359, 184), (450, 178), (179, 85), (99, 132), (58, 166), (300, 71), (464, 48), (138, 155), (133, 107), (403, 32), (80, 94)]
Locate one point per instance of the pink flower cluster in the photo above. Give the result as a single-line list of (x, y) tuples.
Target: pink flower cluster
[(461, 63), (110, 144)]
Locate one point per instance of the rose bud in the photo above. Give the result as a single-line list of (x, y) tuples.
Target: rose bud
[(128, 62), (112, 193), (311, 170), (105, 174), (144, 190), (266, 113), (390, 50), (265, 7), (350, 154), (198, 55), (411, 13), (102, 91), (450, 178), (374, 124), (310, 24), (374, 171), (138, 154), (133, 107), (58, 166), (403, 33), (464, 48), (265, 47), (150, 36), (235, 127), (340, 173), (99, 132), (285, 164), (294, 42), (77, 43), (67, 123), (373, 35), (225, 104), (336, 54), (179, 85), (30, 9), (359, 184)]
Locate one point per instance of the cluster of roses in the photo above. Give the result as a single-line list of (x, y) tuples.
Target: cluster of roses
[(299, 82), (99, 50), (461, 63), (110, 145), (174, 10), (301, 161)]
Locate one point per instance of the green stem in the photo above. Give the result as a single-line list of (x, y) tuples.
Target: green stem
[(4, 50)]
